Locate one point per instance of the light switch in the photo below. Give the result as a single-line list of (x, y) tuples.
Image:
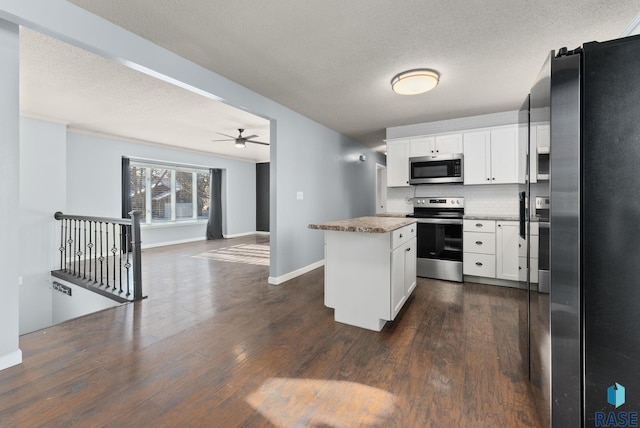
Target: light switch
[(299, 196)]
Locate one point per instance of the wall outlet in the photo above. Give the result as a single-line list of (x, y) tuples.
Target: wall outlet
[(299, 196)]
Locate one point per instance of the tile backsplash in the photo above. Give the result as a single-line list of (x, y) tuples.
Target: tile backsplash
[(496, 199)]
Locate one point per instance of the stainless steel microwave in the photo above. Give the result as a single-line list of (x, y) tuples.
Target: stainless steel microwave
[(436, 169)]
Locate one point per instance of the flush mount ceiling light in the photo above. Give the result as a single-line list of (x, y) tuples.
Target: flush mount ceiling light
[(413, 82)]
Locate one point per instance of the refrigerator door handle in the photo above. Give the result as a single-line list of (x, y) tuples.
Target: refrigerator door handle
[(523, 213)]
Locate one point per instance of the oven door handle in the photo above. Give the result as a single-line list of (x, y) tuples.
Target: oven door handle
[(439, 220)]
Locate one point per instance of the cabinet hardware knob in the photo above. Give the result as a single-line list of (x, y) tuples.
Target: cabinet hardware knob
[(478, 264), (478, 224), (401, 235), (411, 230), (499, 225), (488, 179), (478, 242), (437, 151), (493, 178), (409, 249), (519, 245), (519, 267)]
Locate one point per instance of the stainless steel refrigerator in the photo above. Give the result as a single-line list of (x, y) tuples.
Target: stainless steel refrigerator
[(585, 334)]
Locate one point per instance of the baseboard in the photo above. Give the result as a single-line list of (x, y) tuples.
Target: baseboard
[(238, 235), (164, 244), (492, 281), (10, 360), (286, 277)]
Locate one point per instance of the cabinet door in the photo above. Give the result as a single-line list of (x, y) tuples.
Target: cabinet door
[(410, 255), (422, 146), (477, 160), (398, 163), (397, 280), (448, 144), (507, 253), (504, 155)]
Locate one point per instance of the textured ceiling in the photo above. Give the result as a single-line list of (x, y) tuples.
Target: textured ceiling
[(332, 60), (66, 84)]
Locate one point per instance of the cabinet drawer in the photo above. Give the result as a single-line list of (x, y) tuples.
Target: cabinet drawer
[(479, 226), (479, 265), (402, 235), (479, 242)]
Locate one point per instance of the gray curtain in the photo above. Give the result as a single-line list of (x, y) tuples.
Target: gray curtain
[(214, 225), (126, 188)]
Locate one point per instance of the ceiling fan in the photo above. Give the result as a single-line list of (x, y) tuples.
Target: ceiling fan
[(240, 140)]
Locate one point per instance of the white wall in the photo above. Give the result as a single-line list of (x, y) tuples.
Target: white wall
[(81, 302), (10, 354), (94, 165), (43, 172)]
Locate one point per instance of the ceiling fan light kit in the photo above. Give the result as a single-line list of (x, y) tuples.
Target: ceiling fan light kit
[(240, 141), (414, 82)]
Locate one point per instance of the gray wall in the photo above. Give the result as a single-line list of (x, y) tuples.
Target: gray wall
[(9, 189), (43, 181), (94, 176), (305, 156)]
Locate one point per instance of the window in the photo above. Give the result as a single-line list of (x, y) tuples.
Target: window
[(169, 193)]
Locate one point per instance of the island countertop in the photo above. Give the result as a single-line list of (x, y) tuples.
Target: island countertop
[(365, 224)]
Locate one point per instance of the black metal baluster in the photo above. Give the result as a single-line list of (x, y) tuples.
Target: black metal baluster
[(106, 248), (95, 262), (114, 250), (61, 249), (127, 265), (120, 256), (79, 247), (101, 258), (84, 260), (90, 246), (73, 247), (67, 242)]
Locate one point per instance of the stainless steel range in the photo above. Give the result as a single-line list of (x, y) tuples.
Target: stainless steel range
[(439, 237)]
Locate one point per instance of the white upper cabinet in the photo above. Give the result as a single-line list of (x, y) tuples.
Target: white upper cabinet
[(398, 163), (477, 157), (447, 144), (493, 156), (421, 146), (504, 155)]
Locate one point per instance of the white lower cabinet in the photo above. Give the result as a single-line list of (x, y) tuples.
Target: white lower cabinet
[(479, 251), (494, 249), (507, 252), (369, 276)]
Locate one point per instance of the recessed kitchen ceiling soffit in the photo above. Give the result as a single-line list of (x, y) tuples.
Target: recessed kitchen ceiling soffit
[(414, 82)]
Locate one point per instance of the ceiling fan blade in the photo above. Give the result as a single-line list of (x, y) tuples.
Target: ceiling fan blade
[(257, 142), (249, 137), (226, 139), (227, 135)]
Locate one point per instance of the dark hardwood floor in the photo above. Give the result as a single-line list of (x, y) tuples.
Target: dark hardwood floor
[(214, 345)]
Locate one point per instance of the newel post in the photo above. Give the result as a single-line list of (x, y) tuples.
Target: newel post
[(137, 254)]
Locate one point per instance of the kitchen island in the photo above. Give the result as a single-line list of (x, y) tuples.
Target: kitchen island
[(370, 268)]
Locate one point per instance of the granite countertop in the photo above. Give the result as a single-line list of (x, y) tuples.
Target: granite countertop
[(496, 217), (365, 224)]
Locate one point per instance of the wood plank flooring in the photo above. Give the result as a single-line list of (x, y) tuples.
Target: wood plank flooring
[(215, 346)]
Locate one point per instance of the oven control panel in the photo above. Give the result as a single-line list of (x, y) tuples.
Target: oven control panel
[(431, 202)]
